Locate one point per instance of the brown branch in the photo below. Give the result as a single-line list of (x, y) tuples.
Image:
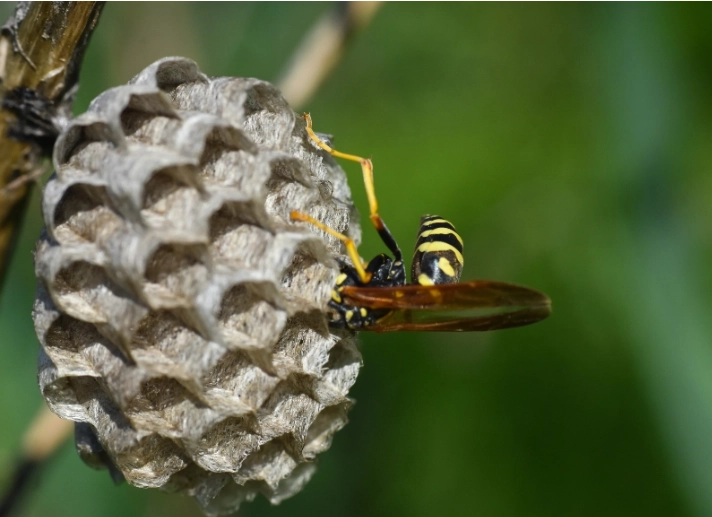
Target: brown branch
[(322, 48), (41, 49), (45, 434), (42, 438)]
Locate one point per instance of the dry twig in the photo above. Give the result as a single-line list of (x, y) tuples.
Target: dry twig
[(41, 48), (322, 48)]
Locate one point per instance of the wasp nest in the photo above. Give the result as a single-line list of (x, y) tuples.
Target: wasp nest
[(181, 314)]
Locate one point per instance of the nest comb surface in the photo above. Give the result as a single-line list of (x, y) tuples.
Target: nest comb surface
[(181, 314)]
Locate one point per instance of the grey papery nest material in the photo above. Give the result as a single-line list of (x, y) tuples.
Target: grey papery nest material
[(182, 316)]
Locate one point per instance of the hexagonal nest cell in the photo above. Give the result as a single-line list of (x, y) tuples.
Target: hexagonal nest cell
[(182, 316)]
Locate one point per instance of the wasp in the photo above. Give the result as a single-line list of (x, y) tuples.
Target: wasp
[(376, 295)]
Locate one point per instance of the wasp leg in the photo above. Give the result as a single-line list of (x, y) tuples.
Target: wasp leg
[(348, 242), (367, 169)]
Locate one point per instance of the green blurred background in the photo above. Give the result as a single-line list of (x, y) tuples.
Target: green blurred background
[(572, 147)]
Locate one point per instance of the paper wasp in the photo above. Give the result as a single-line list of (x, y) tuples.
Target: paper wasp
[(375, 296)]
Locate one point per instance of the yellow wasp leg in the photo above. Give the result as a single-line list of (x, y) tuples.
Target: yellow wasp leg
[(366, 168), (348, 242)]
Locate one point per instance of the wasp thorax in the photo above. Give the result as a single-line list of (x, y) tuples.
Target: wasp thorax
[(183, 318)]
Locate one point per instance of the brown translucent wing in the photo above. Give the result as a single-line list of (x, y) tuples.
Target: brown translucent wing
[(439, 321), (472, 306)]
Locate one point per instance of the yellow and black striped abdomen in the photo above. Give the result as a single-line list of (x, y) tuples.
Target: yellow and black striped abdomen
[(438, 253)]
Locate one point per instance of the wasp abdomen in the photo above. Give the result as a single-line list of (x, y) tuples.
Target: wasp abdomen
[(438, 253)]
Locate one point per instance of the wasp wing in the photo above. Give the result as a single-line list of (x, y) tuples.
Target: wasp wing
[(467, 295), (437, 321), (472, 306)]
